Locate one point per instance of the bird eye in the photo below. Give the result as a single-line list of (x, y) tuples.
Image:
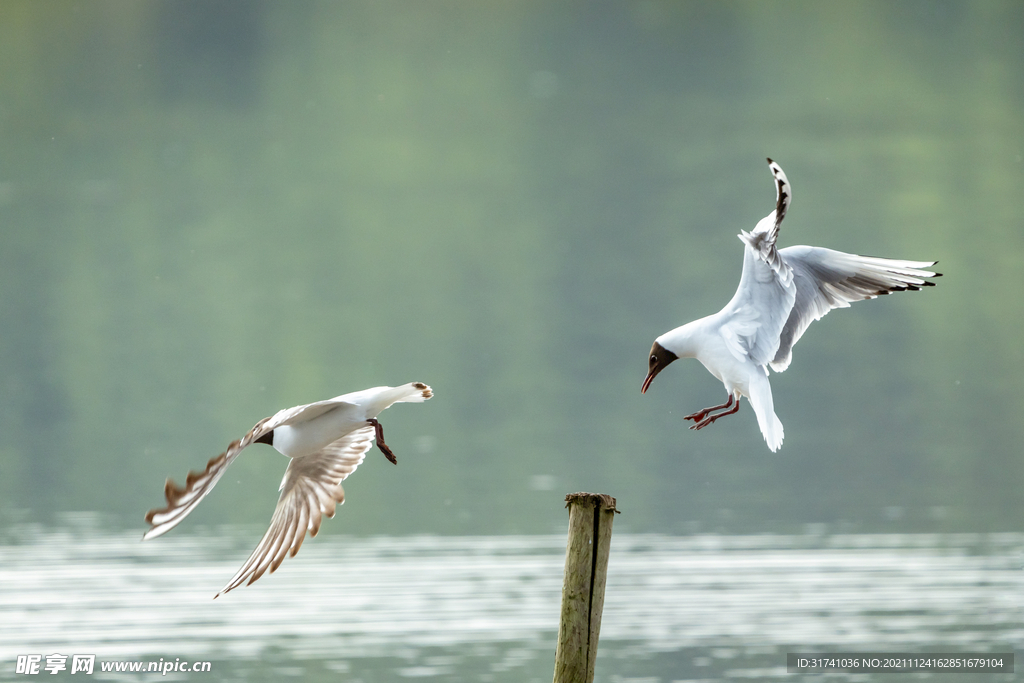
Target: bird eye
[(654, 359)]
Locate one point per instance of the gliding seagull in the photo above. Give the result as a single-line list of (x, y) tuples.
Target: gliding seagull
[(781, 292), (326, 442)]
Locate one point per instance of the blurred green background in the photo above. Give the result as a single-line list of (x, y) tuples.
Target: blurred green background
[(211, 209)]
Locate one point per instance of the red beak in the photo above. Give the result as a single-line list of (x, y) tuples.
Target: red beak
[(649, 379)]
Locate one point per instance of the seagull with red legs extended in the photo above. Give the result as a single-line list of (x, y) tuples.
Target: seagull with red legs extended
[(781, 292)]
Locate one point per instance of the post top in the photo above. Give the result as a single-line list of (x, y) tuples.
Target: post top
[(599, 500)]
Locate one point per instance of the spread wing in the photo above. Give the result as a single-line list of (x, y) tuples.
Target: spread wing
[(311, 488), (827, 279), (181, 501), (783, 198), (290, 416), (755, 316), (759, 309), (763, 237)]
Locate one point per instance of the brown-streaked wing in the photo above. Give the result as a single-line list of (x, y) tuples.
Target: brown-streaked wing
[(311, 488), (181, 501)]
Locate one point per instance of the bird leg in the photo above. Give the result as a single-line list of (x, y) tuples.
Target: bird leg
[(701, 414), (380, 441), (710, 419)]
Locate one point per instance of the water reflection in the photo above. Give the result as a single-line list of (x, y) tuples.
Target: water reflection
[(486, 608)]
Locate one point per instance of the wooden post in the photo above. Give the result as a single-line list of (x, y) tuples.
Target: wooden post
[(586, 567)]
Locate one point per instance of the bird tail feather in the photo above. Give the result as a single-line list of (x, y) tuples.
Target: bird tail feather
[(764, 409)]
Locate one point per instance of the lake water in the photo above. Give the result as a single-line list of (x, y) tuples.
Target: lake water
[(485, 608)]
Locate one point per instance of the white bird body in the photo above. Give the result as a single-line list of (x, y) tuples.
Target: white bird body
[(326, 441), (706, 341), (781, 292), (344, 414)]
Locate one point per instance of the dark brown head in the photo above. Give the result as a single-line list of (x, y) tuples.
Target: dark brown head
[(660, 358)]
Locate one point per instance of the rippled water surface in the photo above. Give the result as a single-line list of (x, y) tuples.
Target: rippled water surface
[(702, 607)]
